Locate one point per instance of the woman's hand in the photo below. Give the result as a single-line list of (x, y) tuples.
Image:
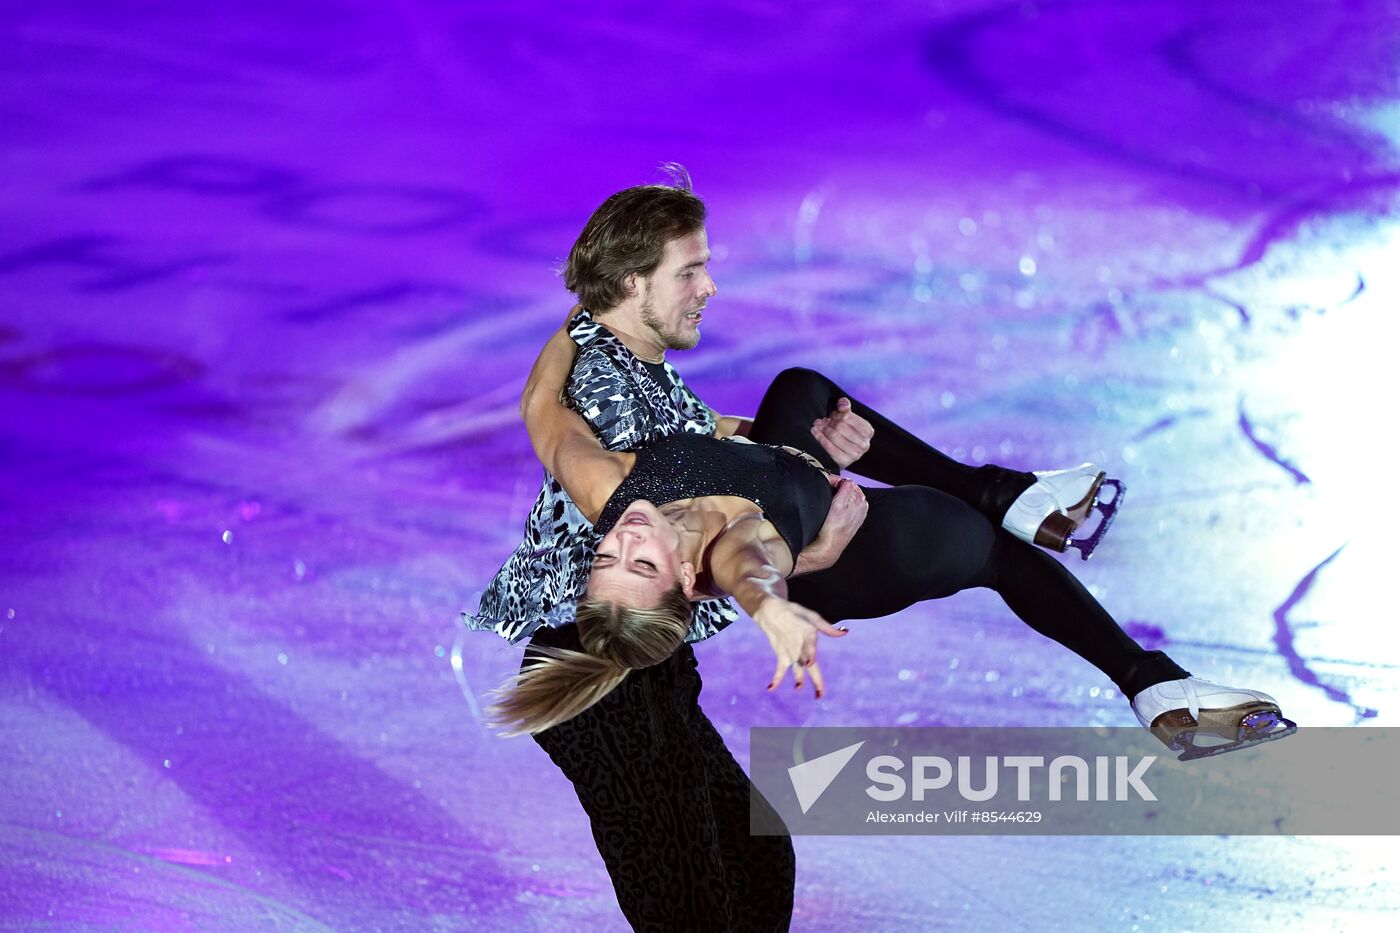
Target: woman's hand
[(843, 520), (792, 632)]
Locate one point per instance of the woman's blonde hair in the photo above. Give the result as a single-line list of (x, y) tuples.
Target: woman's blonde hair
[(616, 640)]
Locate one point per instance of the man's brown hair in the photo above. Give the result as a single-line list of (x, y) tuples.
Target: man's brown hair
[(627, 235)]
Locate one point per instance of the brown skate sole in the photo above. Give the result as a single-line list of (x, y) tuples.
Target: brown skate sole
[(1055, 531), (1171, 727)]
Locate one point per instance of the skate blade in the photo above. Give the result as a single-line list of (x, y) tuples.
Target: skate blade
[(1056, 532), (1221, 730), (1108, 511), (1284, 728), (1080, 510)]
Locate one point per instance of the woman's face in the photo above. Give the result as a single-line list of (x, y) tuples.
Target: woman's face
[(639, 559)]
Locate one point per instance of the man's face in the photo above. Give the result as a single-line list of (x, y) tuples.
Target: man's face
[(674, 295)]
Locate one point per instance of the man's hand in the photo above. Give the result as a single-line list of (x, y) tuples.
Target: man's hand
[(843, 520), (844, 434), (792, 631)]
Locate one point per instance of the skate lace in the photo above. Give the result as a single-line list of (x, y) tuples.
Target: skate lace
[(1050, 493), (1193, 700), (1042, 496)]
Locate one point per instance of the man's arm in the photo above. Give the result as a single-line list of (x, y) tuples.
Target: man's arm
[(731, 425), (561, 438)]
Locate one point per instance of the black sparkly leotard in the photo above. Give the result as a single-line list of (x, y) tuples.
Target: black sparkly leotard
[(793, 495)]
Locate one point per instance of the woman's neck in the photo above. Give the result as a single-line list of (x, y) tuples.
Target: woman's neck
[(700, 521)]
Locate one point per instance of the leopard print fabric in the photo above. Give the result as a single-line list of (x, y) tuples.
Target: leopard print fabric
[(548, 572)]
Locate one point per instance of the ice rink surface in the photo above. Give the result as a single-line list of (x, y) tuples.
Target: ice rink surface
[(271, 277)]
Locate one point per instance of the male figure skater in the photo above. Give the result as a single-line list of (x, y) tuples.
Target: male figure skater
[(711, 871)]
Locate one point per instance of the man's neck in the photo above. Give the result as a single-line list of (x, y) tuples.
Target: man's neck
[(635, 336)]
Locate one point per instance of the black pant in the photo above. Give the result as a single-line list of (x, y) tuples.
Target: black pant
[(669, 805)]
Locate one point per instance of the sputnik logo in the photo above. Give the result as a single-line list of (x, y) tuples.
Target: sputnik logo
[(811, 778)]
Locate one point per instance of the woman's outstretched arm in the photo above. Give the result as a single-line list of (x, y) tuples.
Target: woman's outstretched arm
[(748, 567)]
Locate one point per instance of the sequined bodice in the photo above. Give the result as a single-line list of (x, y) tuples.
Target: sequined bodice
[(794, 496)]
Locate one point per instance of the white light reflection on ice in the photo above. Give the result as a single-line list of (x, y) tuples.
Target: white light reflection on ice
[(456, 661), (1339, 377), (1328, 393)]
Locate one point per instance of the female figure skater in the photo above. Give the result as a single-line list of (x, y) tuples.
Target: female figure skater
[(692, 516)]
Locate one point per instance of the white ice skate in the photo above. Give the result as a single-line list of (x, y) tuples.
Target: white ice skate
[(1050, 512), (1200, 718)]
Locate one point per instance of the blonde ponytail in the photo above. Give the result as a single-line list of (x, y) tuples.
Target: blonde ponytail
[(616, 639), (555, 688)]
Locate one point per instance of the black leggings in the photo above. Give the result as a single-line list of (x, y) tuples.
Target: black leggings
[(798, 397), (938, 532), (918, 543)]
